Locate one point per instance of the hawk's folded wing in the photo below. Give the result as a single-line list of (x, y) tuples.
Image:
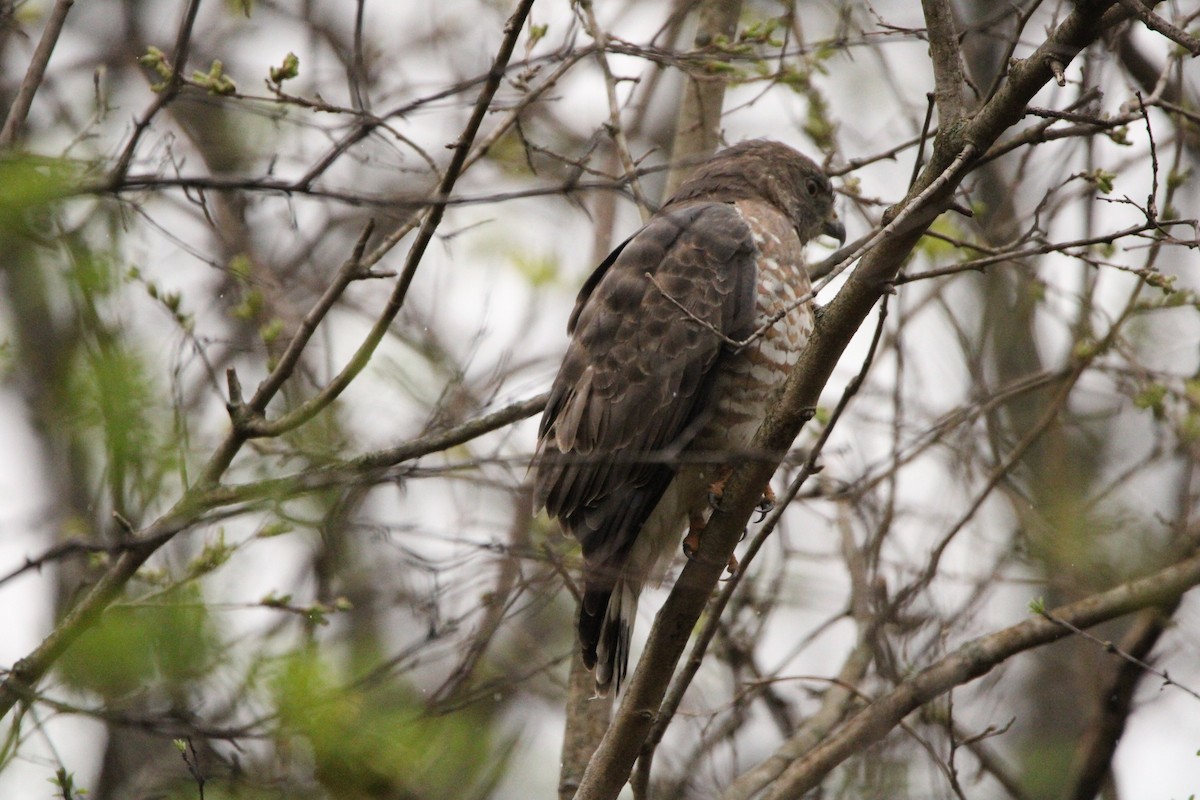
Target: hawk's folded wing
[(632, 390)]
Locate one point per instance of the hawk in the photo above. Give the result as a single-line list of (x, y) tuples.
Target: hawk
[(678, 340)]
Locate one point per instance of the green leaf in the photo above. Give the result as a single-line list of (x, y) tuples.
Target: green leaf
[(289, 69), (1152, 397)]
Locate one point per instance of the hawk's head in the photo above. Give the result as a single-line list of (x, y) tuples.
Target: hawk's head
[(761, 169)]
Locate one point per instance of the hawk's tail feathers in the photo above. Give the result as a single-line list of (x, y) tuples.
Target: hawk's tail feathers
[(609, 636)]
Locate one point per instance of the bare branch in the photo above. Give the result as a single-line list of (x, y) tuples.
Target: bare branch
[(1156, 23), (699, 120), (973, 659), (947, 61), (21, 104)]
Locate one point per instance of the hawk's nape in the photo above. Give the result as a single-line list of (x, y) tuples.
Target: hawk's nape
[(677, 341)]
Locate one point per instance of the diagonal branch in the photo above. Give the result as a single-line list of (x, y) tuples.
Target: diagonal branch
[(1156, 23), (974, 659), (179, 57), (21, 104), (1094, 754), (332, 390)]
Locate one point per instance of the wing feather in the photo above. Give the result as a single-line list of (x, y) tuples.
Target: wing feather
[(638, 373)]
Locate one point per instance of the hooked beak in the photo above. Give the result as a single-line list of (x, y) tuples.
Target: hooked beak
[(834, 227)]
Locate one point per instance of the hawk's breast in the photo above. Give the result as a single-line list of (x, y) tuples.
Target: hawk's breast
[(783, 321)]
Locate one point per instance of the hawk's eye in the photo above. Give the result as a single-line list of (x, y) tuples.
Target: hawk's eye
[(812, 186)]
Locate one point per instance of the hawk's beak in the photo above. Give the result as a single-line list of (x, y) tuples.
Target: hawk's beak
[(834, 227)]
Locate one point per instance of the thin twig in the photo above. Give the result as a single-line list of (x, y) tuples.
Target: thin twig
[(433, 217), (1156, 23), (1112, 648), (974, 659), (19, 110), (615, 129), (179, 57)]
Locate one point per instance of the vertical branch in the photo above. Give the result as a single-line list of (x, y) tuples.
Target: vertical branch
[(358, 69), (587, 719), (699, 118), (947, 61), (615, 129), (21, 104)]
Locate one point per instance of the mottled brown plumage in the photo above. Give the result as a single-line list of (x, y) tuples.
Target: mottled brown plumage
[(652, 401)]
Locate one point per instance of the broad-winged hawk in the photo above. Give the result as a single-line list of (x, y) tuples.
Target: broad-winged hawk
[(654, 400)]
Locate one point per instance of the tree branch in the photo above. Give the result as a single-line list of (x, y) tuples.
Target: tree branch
[(1093, 756), (1156, 23), (19, 110), (699, 120), (947, 61), (974, 659)]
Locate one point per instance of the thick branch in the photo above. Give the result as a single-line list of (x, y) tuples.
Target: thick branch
[(947, 61)]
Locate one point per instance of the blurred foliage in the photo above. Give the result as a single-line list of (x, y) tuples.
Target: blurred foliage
[(166, 644), (381, 742), (29, 183)]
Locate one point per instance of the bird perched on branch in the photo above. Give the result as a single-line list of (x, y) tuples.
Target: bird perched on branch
[(678, 341)]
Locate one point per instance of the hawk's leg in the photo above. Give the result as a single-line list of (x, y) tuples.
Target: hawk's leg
[(691, 542), (697, 520), (716, 491)]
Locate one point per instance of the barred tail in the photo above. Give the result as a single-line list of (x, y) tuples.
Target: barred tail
[(605, 623)]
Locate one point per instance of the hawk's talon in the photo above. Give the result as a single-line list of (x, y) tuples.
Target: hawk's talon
[(716, 489), (766, 505)]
